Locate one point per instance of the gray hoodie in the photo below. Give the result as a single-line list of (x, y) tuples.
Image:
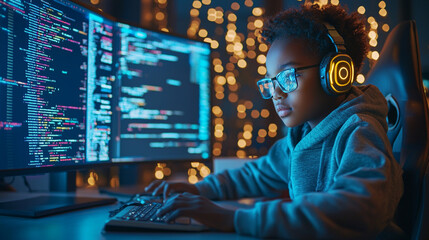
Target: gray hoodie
[(341, 176)]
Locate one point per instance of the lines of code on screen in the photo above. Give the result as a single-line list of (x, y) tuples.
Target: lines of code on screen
[(101, 76), (56, 84), (42, 84), (163, 80), (78, 88)]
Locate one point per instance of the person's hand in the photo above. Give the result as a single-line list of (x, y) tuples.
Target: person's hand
[(159, 187), (199, 208)]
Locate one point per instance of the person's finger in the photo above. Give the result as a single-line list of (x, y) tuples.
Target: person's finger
[(159, 189), (167, 189), (181, 212), (171, 205), (152, 186), (171, 199)]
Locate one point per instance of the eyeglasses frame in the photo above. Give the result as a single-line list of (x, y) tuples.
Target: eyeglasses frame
[(294, 70)]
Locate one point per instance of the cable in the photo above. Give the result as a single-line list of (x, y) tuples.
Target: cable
[(27, 184)]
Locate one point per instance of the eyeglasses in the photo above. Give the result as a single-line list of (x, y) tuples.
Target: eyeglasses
[(286, 80)]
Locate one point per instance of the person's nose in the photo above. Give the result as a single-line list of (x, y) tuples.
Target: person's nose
[(278, 92)]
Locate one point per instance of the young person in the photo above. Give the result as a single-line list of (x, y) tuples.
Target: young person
[(335, 161)]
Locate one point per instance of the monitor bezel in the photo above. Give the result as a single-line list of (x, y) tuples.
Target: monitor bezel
[(86, 166)]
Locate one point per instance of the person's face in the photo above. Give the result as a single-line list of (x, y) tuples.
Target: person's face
[(308, 102)]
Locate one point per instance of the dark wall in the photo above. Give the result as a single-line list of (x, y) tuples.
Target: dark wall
[(419, 12)]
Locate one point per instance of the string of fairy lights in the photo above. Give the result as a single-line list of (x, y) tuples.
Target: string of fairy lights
[(237, 50), (241, 47)]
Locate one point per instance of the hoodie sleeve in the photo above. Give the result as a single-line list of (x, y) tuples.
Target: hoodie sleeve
[(254, 179), (358, 205)]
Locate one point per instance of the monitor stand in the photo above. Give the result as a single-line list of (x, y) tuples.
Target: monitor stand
[(48, 204)]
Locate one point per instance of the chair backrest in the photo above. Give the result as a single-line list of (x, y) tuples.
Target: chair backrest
[(398, 76)]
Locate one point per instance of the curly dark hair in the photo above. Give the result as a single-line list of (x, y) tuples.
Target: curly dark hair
[(307, 23)]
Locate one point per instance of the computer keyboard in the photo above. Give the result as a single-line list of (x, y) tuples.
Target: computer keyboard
[(144, 212), (141, 214)]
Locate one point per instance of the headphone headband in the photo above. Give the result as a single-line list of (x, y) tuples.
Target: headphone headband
[(336, 38)]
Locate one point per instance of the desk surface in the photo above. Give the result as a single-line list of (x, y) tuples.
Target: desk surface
[(87, 224)]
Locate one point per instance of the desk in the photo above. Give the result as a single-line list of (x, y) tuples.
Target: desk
[(88, 224)]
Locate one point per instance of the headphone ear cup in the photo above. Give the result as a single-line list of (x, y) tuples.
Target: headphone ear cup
[(336, 73), (324, 72)]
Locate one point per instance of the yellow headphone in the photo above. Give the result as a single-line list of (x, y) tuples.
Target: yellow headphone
[(337, 71)]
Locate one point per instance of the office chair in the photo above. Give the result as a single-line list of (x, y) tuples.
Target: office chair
[(398, 76)]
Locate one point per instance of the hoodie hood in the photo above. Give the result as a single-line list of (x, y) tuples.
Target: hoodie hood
[(361, 100)]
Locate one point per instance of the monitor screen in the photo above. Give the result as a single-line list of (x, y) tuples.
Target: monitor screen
[(78, 88), (163, 105)]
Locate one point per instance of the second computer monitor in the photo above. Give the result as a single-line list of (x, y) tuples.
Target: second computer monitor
[(163, 103)]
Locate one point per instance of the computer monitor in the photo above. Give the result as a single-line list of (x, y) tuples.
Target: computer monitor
[(79, 89), (163, 109), (54, 86)]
